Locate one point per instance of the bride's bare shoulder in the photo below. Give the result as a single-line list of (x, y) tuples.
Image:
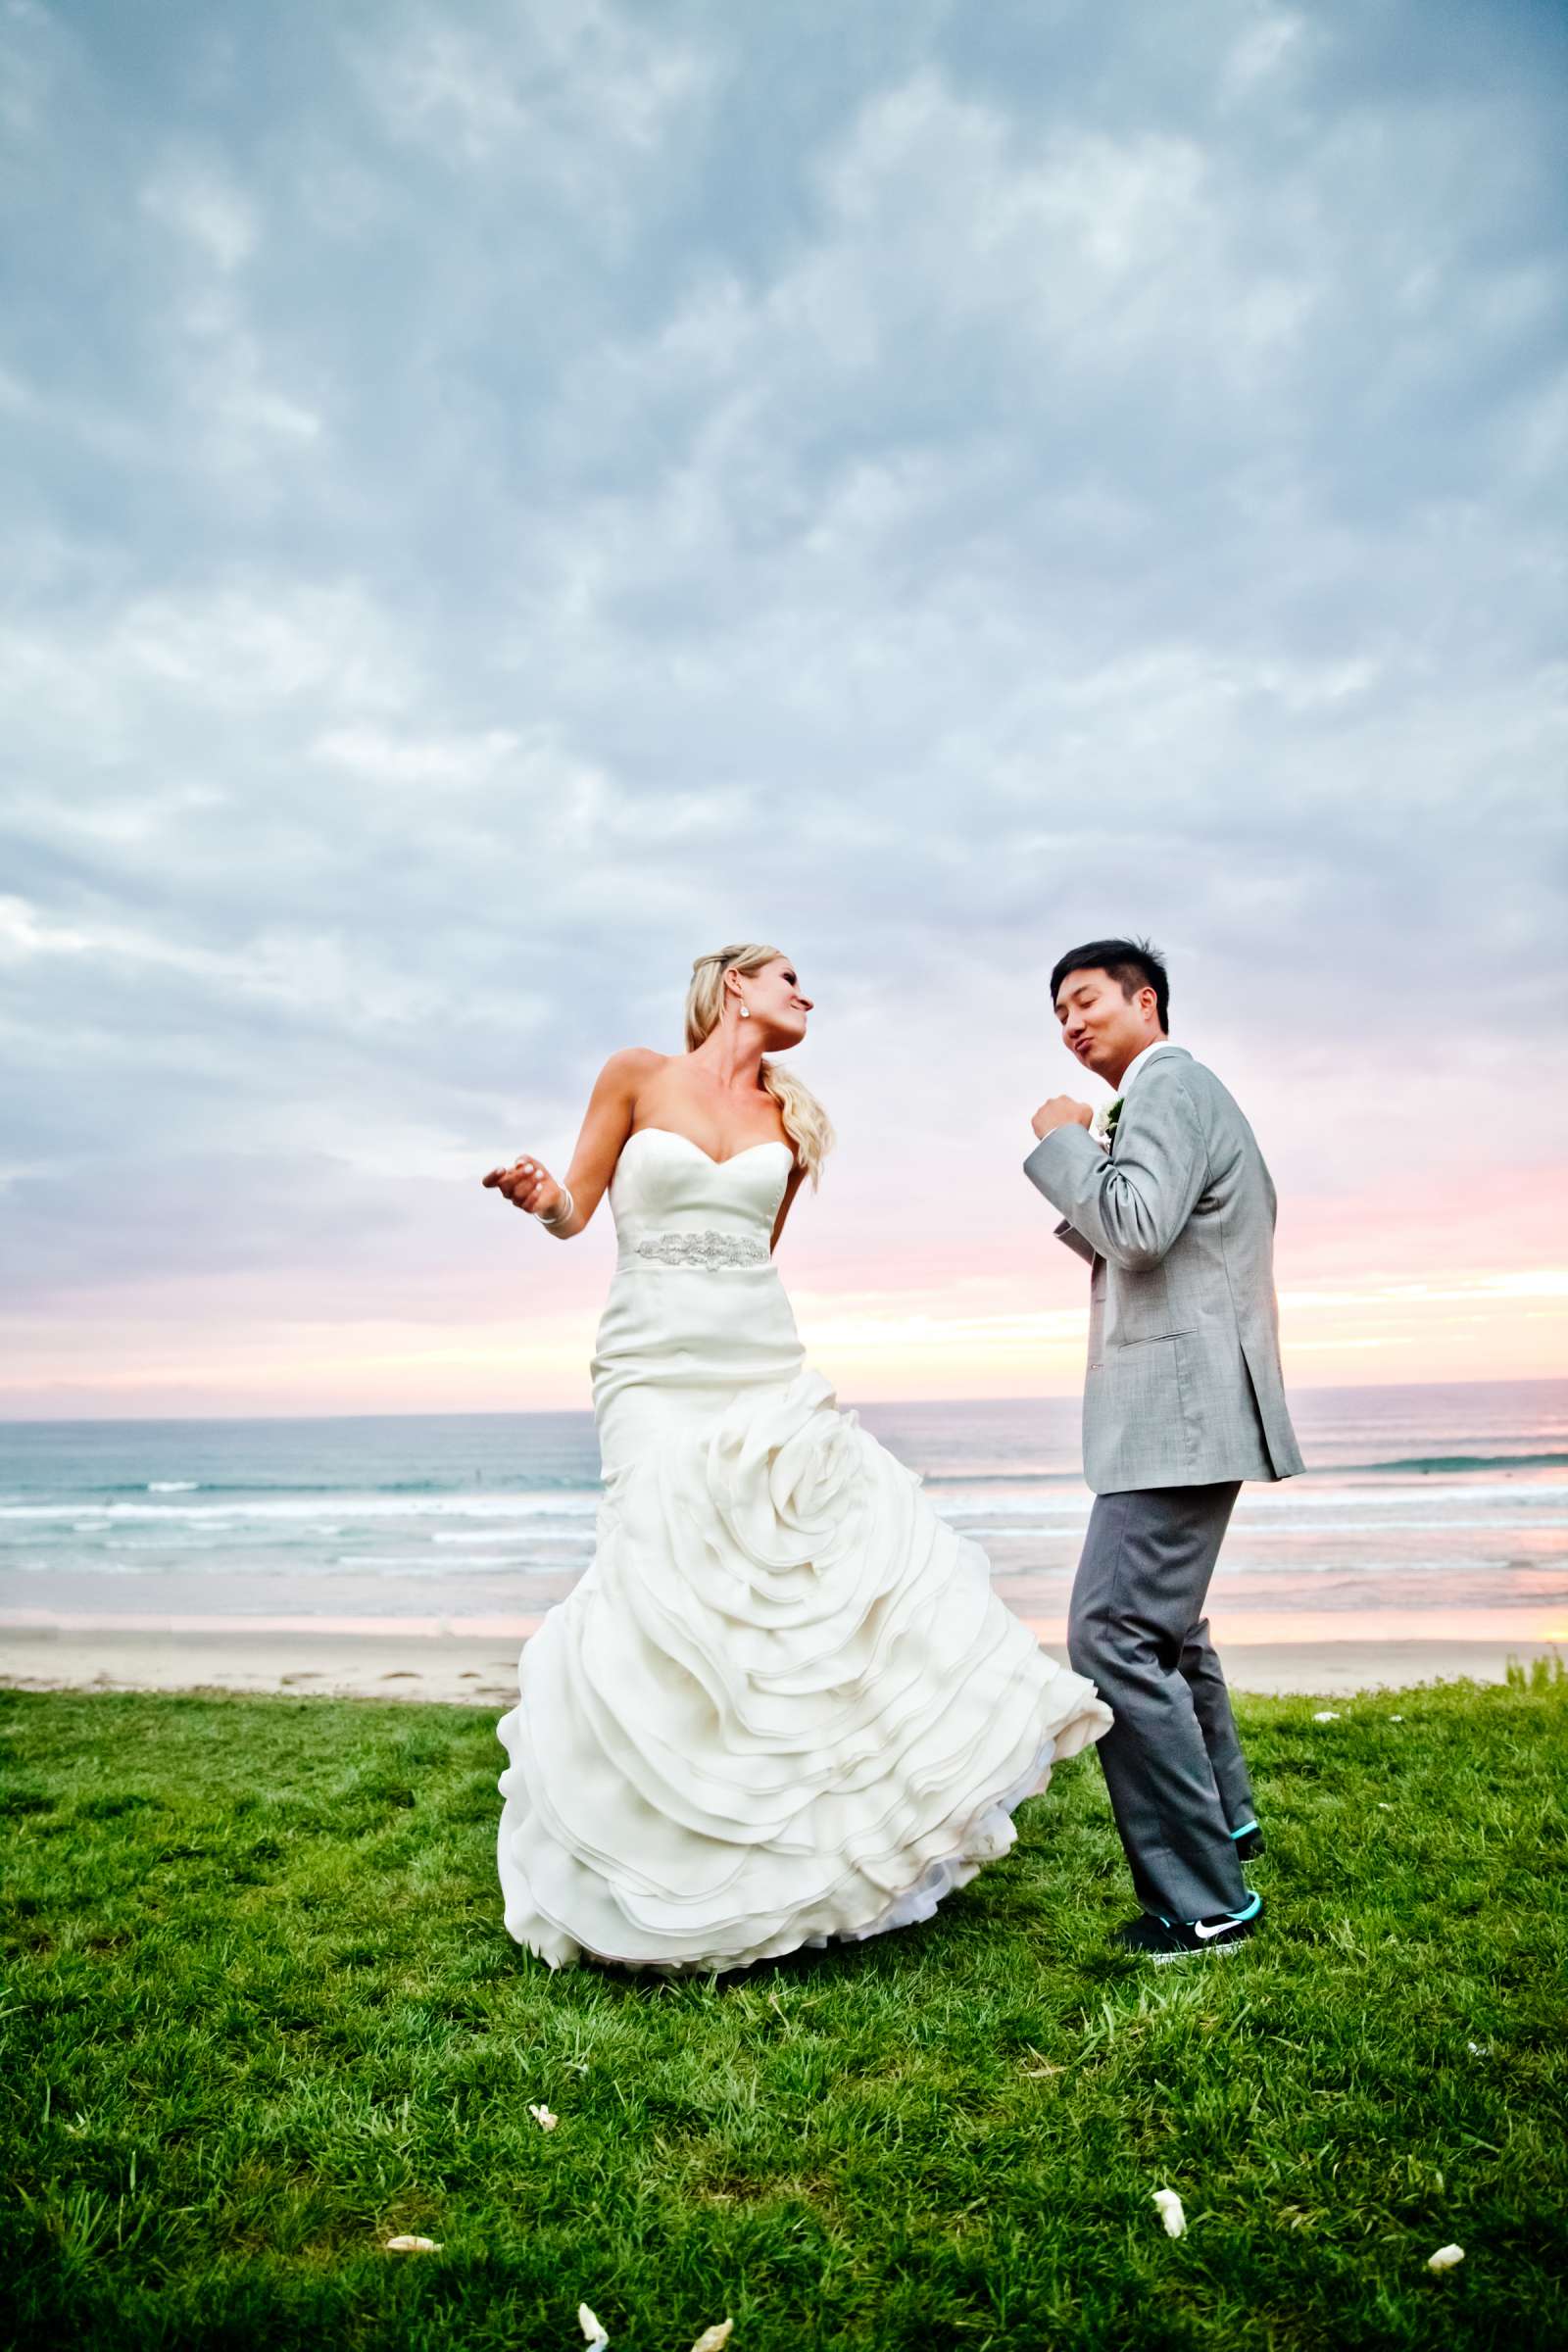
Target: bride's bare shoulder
[(633, 1067)]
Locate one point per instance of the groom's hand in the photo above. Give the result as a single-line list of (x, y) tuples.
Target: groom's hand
[(1060, 1112)]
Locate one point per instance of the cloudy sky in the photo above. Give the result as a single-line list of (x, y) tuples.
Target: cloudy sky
[(501, 497)]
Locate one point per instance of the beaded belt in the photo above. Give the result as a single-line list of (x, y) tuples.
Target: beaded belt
[(706, 1248)]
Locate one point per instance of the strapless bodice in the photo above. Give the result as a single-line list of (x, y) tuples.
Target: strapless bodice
[(695, 1310), (674, 1206)]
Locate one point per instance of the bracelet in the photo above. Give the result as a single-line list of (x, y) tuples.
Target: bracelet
[(564, 1214)]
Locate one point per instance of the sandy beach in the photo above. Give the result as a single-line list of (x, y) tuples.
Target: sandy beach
[(470, 1669), (460, 1670)]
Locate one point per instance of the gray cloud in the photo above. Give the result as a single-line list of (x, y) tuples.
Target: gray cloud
[(503, 499)]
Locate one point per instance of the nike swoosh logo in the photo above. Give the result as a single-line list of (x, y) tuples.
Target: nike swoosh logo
[(1208, 1933)]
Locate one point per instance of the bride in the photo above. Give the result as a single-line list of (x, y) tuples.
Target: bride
[(783, 1705)]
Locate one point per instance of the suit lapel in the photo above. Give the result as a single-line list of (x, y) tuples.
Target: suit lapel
[(1121, 1120)]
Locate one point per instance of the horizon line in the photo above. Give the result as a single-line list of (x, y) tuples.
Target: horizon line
[(1530, 1379)]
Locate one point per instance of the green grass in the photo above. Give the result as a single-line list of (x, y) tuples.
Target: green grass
[(260, 2013)]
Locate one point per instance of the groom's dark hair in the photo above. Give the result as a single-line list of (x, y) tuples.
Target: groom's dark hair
[(1133, 964)]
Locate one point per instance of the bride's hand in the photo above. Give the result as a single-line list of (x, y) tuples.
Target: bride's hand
[(528, 1185)]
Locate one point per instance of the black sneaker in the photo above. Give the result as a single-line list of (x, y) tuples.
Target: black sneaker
[(1148, 1937), (1248, 1841)]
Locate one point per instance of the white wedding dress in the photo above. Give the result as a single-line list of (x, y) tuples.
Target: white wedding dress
[(783, 1705)]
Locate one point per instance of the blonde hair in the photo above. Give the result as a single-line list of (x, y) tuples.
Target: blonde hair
[(806, 1122)]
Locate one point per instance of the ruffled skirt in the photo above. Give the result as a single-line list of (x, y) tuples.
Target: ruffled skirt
[(783, 1706)]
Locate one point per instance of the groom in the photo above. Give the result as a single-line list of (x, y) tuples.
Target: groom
[(1183, 1400)]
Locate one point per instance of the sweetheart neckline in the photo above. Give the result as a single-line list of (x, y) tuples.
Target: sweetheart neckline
[(774, 1143)]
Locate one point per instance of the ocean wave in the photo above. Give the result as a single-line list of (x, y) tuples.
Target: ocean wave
[(998, 1478), (1277, 1506), (1460, 1465), (301, 1571), (511, 1488), (580, 1537), (564, 1502), (1333, 1495), (419, 1566), (1068, 1513), (1340, 1508)]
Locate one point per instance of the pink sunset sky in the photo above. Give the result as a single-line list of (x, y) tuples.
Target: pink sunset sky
[(504, 509), (924, 1268)]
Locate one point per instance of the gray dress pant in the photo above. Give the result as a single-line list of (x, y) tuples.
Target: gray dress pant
[(1172, 1761)]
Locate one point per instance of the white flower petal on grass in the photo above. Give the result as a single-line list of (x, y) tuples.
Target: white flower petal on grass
[(1170, 2212), (1477, 2050), (543, 2117), (593, 2330), (1444, 2258), (714, 2340), (1396, 1718), (414, 2246), (1326, 1715)]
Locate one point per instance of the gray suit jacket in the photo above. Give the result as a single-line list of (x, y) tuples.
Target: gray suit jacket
[(1177, 1221)]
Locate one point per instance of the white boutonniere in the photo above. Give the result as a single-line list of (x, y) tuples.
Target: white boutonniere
[(1103, 1126)]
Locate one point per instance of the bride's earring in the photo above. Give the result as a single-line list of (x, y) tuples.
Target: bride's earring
[(746, 1012)]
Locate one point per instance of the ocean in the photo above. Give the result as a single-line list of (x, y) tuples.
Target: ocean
[(1427, 1512)]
